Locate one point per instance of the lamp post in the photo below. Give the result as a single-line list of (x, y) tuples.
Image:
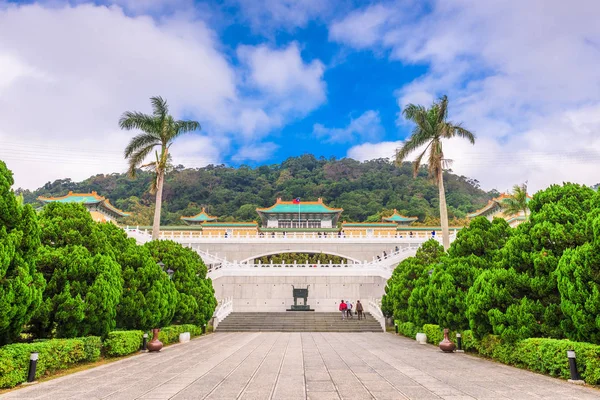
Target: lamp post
[(145, 342), (575, 377), (33, 357)]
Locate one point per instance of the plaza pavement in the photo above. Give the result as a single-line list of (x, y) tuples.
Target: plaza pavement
[(304, 366)]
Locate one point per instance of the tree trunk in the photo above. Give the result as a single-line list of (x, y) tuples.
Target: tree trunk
[(443, 211), (159, 189)]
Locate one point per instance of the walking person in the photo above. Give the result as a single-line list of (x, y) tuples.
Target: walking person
[(343, 308), (349, 309), (359, 310)]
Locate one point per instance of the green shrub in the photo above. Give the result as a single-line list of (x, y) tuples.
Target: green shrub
[(469, 342), (408, 329), (92, 346), (549, 356), (434, 333), (121, 343), (170, 334), (53, 355)]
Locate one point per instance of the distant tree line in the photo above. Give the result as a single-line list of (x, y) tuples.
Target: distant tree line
[(363, 189)]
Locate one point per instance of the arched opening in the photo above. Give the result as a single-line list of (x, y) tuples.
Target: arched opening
[(300, 257)]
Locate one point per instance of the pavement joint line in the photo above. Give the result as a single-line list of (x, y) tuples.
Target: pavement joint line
[(326, 368), (280, 366), (239, 364), (347, 366), (206, 349), (303, 369), (394, 386), (257, 368), (207, 372), (224, 360)]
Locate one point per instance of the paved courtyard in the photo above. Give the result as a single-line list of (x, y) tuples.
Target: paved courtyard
[(303, 366)]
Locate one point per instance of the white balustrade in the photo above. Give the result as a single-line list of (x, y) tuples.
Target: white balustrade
[(224, 308), (374, 308)]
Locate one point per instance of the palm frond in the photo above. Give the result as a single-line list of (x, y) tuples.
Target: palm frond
[(436, 155), (160, 108), (458, 130), (417, 161), (442, 106), (137, 158), (412, 111), (186, 126), (137, 120), (139, 141), (416, 140)]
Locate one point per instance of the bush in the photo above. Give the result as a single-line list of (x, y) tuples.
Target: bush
[(170, 334), (92, 346), (469, 342), (408, 329), (121, 343), (54, 355), (434, 333), (549, 356)]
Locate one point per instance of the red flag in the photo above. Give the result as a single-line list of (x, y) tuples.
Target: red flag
[(296, 200)]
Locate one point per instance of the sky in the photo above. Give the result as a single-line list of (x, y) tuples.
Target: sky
[(272, 79)]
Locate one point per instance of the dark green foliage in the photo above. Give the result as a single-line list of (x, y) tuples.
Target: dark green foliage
[(122, 343), (578, 278), (524, 301), (149, 297), (363, 189), (196, 301), (406, 277), (21, 285), (54, 355), (84, 282)]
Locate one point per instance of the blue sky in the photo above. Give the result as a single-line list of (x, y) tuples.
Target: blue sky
[(278, 78)]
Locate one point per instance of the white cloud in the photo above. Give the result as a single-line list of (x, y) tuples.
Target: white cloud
[(70, 71), (255, 152), (522, 75), (371, 151), (366, 127), (286, 14), (284, 79)]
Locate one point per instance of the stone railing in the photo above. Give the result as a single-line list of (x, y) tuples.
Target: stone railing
[(224, 308), (374, 308), (207, 237)]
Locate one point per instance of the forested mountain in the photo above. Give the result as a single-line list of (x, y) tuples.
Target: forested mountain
[(363, 189)]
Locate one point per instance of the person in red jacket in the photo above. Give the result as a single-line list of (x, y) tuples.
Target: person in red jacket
[(343, 308)]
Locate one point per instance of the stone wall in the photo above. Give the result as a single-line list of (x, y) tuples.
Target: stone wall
[(274, 293)]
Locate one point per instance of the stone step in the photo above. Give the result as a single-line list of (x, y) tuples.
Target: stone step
[(296, 322)]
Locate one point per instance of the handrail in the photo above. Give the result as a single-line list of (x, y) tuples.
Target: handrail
[(375, 310), (224, 308)]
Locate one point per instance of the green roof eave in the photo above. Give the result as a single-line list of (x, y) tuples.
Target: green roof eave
[(230, 225), (74, 199), (301, 208)]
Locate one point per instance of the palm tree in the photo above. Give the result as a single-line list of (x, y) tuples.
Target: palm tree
[(159, 130), (431, 127), (517, 201)]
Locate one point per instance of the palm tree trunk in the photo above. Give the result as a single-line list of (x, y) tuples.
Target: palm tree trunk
[(443, 210), (159, 189)]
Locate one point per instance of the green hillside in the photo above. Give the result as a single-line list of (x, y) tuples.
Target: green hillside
[(363, 189)]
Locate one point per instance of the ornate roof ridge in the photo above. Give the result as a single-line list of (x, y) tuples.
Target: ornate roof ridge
[(279, 201), (93, 194), (399, 215), (209, 217)]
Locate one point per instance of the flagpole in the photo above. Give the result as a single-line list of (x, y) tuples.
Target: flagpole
[(298, 214)]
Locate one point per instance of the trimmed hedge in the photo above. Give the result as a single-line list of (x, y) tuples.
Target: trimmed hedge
[(408, 329), (54, 355), (434, 334), (170, 334), (122, 343)]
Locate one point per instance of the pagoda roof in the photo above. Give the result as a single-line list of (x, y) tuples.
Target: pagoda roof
[(395, 217), (493, 203), (288, 207), (84, 198), (201, 217)]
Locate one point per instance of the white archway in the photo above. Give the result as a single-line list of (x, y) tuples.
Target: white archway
[(301, 251)]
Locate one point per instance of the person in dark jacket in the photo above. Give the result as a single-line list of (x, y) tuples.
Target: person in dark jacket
[(359, 309)]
